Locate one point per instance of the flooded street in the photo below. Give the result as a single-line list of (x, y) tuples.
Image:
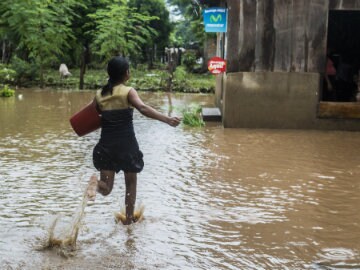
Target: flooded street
[(214, 198)]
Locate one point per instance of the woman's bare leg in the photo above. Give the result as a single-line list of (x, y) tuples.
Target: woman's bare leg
[(104, 186), (106, 183), (130, 196), (91, 188)]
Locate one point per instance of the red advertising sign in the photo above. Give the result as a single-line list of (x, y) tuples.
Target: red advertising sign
[(217, 65)]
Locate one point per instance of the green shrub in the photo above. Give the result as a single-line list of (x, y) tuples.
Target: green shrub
[(25, 71), (148, 80), (192, 116), (26, 74), (181, 74), (7, 74), (6, 91), (189, 60), (187, 82)]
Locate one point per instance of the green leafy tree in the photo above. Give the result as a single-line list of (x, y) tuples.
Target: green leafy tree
[(42, 28), (189, 30), (81, 27), (156, 44), (120, 30), (182, 5), (5, 38)]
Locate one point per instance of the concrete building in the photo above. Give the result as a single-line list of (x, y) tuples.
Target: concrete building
[(276, 53)]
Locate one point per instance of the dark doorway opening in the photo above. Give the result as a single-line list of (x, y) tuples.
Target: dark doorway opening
[(342, 82)]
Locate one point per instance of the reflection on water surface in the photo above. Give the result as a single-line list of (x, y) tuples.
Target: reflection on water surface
[(214, 198)]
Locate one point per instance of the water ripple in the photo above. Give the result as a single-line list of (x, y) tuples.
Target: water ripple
[(214, 198)]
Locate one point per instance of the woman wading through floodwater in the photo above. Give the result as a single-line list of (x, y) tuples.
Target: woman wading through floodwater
[(118, 149)]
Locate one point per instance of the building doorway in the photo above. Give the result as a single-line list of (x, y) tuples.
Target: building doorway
[(342, 82)]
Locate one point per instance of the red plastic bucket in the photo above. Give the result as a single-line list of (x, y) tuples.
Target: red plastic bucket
[(86, 120)]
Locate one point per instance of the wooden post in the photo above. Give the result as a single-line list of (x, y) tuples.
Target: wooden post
[(316, 28), (283, 18), (265, 36), (298, 35), (247, 35), (233, 28)]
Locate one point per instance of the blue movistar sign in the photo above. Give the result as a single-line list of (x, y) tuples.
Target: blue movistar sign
[(215, 19)]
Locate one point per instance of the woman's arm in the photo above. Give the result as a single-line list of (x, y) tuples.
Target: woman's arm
[(150, 112)]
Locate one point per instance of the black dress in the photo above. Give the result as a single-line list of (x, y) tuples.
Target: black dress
[(118, 148)]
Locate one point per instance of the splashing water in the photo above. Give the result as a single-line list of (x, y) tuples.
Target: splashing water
[(138, 214), (66, 245)]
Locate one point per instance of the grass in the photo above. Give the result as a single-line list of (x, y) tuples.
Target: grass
[(93, 79), (141, 79)]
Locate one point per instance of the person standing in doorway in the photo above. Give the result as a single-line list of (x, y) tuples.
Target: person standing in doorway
[(118, 149), (345, 79), (329, 93)]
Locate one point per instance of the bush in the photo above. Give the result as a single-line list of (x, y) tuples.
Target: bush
[(24, 71), (26, 74), (153, 80), (6, 92), (180, 74), (189, 60), (7, 75), (192, 83)]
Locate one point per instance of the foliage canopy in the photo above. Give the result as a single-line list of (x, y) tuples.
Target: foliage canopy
[(39, 34)]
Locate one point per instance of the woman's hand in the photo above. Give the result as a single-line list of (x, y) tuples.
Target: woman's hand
[(173, 121)]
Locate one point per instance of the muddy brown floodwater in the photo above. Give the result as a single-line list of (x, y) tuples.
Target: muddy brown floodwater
[(214, 198)]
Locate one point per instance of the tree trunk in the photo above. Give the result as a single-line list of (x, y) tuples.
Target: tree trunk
[(150, 55), (155, 52), (41, 75), (83, 63), (41, 72), (3, 57), (82, 71), (9, 53), (172, 64), (82, 75)]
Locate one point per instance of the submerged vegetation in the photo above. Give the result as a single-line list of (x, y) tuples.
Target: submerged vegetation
[(7, 76), (6, 91), (192, 116)]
